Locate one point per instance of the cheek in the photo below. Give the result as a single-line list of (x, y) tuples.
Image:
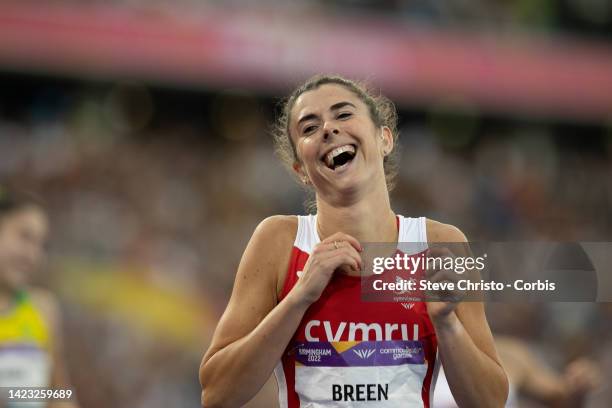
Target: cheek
[(372, 145), (363, 130), (306, 149), (11, 246)]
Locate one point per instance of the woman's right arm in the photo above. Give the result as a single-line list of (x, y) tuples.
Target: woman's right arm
[(254, 330)]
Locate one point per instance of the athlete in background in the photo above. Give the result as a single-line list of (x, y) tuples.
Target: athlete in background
[(297, 287), (30, 334), (530, 378)]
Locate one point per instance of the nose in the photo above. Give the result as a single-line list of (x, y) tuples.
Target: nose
[(329, 129)]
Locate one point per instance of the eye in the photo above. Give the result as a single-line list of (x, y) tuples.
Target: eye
[(344, 115), (309, 129)]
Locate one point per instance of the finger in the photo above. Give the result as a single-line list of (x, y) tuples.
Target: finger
[(352, 252), (338, 245), (449, 292), (339, 259), (431, 269), (327, 246), (346, 250), (322, 254), (341, 236), (451, 295), (444, 275), (335, 246)]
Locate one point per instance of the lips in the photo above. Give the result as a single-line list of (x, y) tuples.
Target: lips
[(339, 156)]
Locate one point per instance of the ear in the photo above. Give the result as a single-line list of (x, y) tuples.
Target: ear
[(386, 140), (299, 171)]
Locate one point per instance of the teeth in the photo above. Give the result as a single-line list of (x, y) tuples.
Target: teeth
[(329, 157)]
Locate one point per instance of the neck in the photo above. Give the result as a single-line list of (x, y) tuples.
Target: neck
[(368, 218)]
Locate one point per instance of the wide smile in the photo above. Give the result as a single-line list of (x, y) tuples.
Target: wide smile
[(339, 157)]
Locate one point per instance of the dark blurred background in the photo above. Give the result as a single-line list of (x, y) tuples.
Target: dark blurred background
[(144, 126)]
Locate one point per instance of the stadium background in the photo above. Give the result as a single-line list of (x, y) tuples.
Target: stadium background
[(144, 126)]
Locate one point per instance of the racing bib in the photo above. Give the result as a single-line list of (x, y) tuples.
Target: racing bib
[(360, 373)]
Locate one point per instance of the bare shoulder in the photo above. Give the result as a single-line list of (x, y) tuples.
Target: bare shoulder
[(277, 231), (46, 302), (272, 240), (440, 232)]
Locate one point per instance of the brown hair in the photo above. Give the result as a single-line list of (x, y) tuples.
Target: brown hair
[(13, 200), (382, 112)]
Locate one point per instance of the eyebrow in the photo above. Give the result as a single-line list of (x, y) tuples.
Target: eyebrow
[(334, 107)]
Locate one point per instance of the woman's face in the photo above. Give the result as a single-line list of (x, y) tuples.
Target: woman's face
[(338, 145), (23, 234)]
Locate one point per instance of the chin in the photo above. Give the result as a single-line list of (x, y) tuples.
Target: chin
[(349, 188)]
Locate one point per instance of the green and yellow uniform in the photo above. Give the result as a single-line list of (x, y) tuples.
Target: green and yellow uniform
[(25, 345)]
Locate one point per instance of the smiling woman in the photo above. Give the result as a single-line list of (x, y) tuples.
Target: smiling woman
[(296, 307)]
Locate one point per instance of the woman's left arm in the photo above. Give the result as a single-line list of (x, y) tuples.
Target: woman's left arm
[(465, 343)]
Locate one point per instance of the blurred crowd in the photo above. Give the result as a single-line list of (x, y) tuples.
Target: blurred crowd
[(592, 18), (153, 194)]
